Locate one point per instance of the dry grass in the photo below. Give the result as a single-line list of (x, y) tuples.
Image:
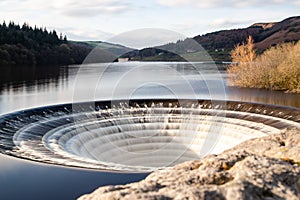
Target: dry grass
[(278, 68)]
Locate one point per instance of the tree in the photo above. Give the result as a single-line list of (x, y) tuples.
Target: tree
[(243, 68), (244, 52), (25, 27), (65, 39), (11, 24), (29, 46)]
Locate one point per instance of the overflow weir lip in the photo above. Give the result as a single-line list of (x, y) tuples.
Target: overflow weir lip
[(137, 135)]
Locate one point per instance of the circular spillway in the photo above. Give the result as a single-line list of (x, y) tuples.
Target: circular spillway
[(137, 135)]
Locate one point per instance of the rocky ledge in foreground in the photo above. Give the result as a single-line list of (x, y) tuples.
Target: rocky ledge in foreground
[(263, 168)]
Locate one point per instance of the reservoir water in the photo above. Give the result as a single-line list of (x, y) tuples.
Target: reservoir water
[(30, 87)]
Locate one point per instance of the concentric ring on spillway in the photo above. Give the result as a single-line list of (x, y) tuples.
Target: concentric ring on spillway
[(142, 135)]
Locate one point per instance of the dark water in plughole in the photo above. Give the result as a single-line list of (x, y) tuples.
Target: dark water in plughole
[(48, 86)]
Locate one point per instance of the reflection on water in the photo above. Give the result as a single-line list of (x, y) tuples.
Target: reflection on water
[(26, 87), (264, 96), (14, 77), (23, 87)]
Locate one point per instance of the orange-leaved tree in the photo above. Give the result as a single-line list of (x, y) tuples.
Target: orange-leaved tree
[(242, 69)]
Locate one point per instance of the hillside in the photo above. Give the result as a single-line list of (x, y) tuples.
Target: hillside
[(115, 49), (219, 44), (285, 31), (27, 46)]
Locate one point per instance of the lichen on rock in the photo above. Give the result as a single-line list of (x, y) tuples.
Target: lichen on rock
[(262, 168)]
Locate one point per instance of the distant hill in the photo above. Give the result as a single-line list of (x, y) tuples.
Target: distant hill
[(219, 44), (285, 31), (116, 49)]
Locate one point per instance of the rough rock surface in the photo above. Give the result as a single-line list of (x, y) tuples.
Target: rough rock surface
[(263, 168)]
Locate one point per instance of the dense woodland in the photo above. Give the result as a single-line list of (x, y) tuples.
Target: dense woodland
[(25, 45)]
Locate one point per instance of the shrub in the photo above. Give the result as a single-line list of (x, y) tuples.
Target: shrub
[(242, 69), (277, 68)]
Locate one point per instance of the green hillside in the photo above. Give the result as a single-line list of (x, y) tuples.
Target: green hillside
[(116, 49)]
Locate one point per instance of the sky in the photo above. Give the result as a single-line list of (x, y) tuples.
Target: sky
[(106, 19)]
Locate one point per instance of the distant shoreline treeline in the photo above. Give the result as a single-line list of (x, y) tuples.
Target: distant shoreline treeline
[(25, 45)]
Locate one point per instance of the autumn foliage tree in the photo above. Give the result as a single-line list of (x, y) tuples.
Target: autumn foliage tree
[(278, 68), (244, 52), (243, 57)]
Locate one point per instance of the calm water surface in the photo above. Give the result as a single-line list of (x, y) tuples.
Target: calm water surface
[(28, 87)]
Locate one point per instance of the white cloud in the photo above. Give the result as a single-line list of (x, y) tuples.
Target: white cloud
[(90, 8), (86, 34), (21, 6), (94, 11), (74, 8), (84, 19), (224, 3), (297, 2), (148, 37), (227, 23), (209, 4), (178, 3), (171, 3)]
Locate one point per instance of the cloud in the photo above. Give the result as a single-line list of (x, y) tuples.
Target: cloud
[(192, 3), (227, 23), (190, 17), (86, 34), (297, 2), (94, 11), (171, 3), (224, 3), (209, 4), (90, 8), (22, 6), (148, 37), (74, 8)]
